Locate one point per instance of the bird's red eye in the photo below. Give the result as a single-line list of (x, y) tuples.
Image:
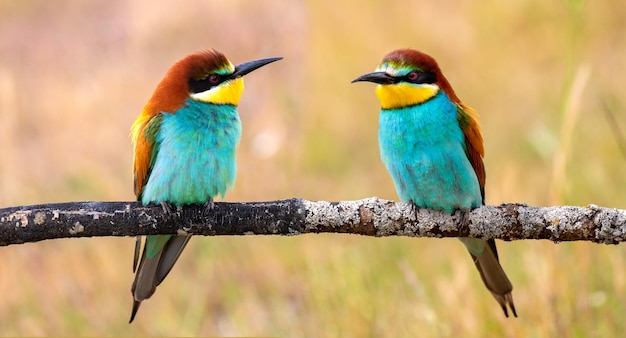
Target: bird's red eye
[(412, 76), (214, 78)]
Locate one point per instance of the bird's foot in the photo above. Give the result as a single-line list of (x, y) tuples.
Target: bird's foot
[(209, 205), (205, 208), (414, 208), (464, 222), (168, 208)]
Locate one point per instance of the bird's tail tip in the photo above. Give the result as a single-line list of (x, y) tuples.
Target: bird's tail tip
[(135, 308), (507, 302)]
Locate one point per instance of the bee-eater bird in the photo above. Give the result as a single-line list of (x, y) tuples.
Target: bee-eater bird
[(184, 142), (431, 144)]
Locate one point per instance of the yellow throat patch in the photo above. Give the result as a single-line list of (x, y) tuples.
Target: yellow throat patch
[(394, 96), (228, 92)]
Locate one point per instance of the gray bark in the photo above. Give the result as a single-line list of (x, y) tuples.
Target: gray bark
[(369, 217)]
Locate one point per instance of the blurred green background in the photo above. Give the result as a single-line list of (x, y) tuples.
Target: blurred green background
[(542, 74)]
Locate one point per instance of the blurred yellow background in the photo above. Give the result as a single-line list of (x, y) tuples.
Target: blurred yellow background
[(75, 74)]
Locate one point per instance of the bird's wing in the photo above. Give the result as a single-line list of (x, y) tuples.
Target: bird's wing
[(144, 133), (474, 149)]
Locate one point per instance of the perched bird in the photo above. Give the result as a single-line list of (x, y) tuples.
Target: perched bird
[(431, 144), (184, 142)]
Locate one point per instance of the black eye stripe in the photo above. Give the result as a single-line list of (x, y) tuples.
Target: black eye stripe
[(422, 78), (199, 86)]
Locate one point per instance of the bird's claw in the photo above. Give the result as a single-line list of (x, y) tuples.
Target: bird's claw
[(464, 222), (168, 208), (414, 208), (209, 205)]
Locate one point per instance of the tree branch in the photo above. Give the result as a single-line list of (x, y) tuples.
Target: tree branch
[(369, 217)]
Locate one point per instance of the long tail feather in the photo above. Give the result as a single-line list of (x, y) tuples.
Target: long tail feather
[(494, 277), (152, 271), (135, 308), (171, 252)]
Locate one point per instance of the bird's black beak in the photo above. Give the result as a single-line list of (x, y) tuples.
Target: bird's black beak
[(376, 77), (248, 67)]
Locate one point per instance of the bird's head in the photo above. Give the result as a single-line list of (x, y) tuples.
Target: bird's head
[(407, 77), (206, 76)]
